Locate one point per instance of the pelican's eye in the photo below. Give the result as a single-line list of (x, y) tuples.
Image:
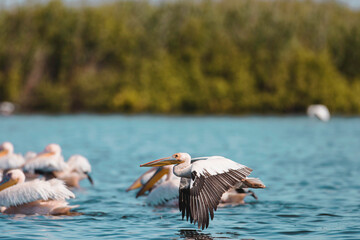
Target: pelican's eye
[(177, 156)]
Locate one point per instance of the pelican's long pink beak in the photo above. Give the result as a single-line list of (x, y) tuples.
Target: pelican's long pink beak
[(162, 162)]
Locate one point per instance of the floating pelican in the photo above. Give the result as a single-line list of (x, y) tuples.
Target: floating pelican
[(8, 159), (163, 186), (78, 168), (203, 182), (6, 108), (46, 162), (165, 192), (319, 111), (33, 197), (235, 196)]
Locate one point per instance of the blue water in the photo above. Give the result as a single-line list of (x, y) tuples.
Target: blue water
[(311, 169)]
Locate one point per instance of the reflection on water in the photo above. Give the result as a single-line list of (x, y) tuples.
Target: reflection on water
[(194, 234), (311, 171)]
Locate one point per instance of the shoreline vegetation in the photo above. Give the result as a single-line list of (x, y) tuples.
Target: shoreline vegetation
[(223, 57)]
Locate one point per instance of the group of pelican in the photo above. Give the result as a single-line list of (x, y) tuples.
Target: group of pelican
[(38, 183), (196, 185)]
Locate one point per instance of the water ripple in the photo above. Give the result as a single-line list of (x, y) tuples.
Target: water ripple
[(297, 159)]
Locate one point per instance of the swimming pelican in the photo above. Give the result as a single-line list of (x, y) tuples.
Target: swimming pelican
[(165, 192), (203, 182), (8, 159), (78, 168), (46, 162), (163, 186), (319, 111), (33, 197), (236, 196)]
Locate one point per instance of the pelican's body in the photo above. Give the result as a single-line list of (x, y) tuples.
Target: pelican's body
[(6, 108), (46, 162), (8, 159), (204, 181), (33, 197), (319, 111), (78, 168)]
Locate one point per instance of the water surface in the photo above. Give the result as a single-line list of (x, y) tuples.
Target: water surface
[(311, 170)]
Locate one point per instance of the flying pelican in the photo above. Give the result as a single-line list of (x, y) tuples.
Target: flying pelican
[(165, 192), (203, 182), (78, 168), (8, 159), (46, 162), (319, 111), (33, 197)]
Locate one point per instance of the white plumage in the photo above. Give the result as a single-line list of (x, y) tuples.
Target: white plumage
[(79, 163), (47, 161), (8, 159), (78, 168), (31, 191), (214, 165), (11, 161), (46, 164), (164, 192), (319, 111)]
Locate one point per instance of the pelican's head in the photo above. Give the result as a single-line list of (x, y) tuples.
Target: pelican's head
[(6, 148), (11, 178), (53, 148), (80, 165), (175, 159), (50, 150)]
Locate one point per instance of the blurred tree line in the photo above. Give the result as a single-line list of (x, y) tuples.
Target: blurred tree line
[(207, 56)]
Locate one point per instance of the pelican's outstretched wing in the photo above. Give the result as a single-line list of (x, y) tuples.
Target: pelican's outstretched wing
[(164, 192), (34, 190), (210, 178), (11, 161), (45, 164)]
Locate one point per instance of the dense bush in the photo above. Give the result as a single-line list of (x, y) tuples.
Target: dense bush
[(225, 56)]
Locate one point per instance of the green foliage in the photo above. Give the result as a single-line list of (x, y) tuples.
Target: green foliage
[(222, 57)]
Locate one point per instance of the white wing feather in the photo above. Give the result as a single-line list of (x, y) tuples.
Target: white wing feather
[(34, 190), (164, 192), (11, 161), (46, 164), (215, 165)]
